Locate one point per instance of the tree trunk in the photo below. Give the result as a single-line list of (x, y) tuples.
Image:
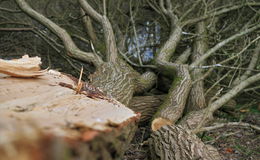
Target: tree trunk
[(116, 80), (177, 143), (197, 97)]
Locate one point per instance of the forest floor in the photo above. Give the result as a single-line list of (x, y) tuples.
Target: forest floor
[(234, 143)]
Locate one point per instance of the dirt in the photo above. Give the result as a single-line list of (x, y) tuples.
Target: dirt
[(237, 143), (138, 149)]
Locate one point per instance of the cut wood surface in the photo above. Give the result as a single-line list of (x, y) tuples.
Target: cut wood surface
[(23, 67), (40, 107)]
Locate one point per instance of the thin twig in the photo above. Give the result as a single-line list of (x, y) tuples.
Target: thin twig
[(220, 125), (135, 35), (224, 66), (134, 64)]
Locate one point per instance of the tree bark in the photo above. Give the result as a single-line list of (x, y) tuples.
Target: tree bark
[(177, 143), (197, 98), (173, 106), (146, 105)]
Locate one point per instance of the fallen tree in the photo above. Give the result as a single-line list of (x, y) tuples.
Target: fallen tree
[(207, 53)]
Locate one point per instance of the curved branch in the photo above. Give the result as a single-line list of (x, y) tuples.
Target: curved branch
[(183, 58), (233, 92), (90, 11), (145, 82), (169, 11), (197, 119), (173, 106), (169, 47), (70, 46), (111, 48), (88, 26)]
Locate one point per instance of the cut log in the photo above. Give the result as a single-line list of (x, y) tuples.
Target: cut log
[(45, 118), (173, 142)]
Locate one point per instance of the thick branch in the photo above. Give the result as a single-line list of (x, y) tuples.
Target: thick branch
[(111, 48), (90, 11), (197, 97), (70, 46), (183, 58), (146, 105), (172, 108), (221, 44), (88, 26), (145, 82), (170, 45), (169, 12)]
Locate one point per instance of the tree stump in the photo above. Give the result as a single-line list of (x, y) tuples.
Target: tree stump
[(44, 116)]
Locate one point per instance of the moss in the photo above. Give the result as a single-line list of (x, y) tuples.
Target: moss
[(167, 100), (100, 47)]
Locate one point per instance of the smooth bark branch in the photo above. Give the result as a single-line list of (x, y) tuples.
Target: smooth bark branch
[(111, 48), (239, 124), (251, 66), (233, 92), (169, 12), (90, 11), (183, 58), (70, 46), (197, 119), (88, 26), (221, 44), (170, 45), (197, 97), (217, 13)]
